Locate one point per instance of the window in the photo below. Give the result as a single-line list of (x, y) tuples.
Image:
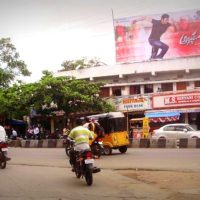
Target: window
[(166, 87), (181, 86), (148, 88), (105, 92), (180, 128), (196, 84), (169, 128), (134, 89), (116, 91)]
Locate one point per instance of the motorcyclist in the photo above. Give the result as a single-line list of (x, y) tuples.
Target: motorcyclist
[(81, 136), (89, 124), (3, 138)]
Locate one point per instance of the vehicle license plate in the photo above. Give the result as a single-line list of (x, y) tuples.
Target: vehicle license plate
[(89, 161), (4, 149)]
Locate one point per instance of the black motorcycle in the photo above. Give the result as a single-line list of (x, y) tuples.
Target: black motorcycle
[(84, 166), (3, 150), (96, 147)]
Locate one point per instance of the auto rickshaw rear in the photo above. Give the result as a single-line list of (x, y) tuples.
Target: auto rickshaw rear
[(115, 128)]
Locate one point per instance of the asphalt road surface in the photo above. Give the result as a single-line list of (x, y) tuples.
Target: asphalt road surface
[(45, 174)]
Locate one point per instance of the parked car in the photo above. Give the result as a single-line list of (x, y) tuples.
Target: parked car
[(175, 131)]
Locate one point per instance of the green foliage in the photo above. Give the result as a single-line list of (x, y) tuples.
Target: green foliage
[(80, 64), (52, 94), (10, 64)]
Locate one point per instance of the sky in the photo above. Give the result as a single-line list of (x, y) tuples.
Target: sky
[(48, 32)]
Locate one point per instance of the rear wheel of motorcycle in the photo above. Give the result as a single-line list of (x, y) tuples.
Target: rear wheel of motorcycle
[(89, 177), (2, 161)]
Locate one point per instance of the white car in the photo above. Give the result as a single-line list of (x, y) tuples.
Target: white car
[(175, 131)]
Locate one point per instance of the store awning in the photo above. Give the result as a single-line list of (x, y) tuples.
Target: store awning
[(168, 116)]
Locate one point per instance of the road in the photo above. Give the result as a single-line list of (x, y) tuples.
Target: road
[(139, 174)]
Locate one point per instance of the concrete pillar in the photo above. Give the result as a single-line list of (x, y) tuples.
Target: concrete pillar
[(110, 91), (186, 118), (126, 90), (142, 89), (52, 125), (174, 87)]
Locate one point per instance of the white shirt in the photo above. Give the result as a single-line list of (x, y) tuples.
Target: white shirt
[(36, 130), (2, 134), (14, 133)]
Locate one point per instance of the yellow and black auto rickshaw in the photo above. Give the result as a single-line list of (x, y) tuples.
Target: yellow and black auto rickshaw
[(115, 127)]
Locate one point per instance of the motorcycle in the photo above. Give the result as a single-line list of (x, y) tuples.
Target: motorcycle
[(97, 147), (84, 166), (3, 151)]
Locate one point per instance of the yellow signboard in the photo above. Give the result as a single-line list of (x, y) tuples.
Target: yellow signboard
[(145, 128)]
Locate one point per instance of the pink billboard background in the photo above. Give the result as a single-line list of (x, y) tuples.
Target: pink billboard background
[(132, 33)]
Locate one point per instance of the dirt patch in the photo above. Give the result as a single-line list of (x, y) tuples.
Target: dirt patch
[(182, 185)]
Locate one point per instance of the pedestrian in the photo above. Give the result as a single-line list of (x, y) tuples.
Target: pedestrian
[(36, 132), (66, 131), (14, 134), (30, 133)]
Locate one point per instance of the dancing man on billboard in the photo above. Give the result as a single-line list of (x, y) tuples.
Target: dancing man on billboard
[(159, 27)]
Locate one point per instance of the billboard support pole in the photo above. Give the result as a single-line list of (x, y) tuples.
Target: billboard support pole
[(113, 30)]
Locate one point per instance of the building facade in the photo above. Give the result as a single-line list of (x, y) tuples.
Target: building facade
[(150, 87)]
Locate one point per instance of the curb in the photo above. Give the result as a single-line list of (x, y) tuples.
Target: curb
[(136, 143), (165, 143), (51, 143)]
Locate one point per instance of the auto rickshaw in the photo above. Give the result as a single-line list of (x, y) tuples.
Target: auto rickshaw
[(115, 131), (139, 127)]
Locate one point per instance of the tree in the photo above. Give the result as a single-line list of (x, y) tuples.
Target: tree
[(52, 94), (61, 93), (80, 64), (10, 64), (15, 101)]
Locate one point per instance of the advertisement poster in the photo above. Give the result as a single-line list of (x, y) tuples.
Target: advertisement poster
[(163, 36), (176, 100)]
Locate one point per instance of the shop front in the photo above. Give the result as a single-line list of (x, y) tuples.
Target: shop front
[(175, 108), (134, 108)]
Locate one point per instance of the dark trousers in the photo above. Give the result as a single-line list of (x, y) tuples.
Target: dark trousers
[(156, 45)]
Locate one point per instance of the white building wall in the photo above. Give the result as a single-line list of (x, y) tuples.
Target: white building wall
[(153, 67)]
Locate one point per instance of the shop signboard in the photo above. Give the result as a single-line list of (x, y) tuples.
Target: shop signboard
[(178, 100), (133, 103), (181, 37)]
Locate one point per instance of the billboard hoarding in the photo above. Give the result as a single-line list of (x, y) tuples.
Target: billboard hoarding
[(179, 37)]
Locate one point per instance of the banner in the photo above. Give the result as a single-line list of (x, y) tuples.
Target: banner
[(149, 37), (176, 100)]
